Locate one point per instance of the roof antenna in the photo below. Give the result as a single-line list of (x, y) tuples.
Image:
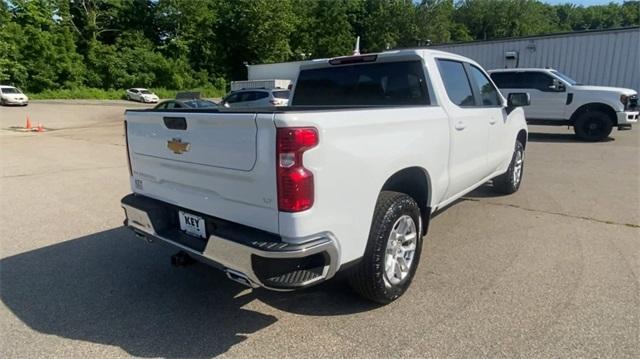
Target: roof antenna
[(356, 50)]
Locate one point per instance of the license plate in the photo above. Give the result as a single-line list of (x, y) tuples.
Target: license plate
[(192, 224)]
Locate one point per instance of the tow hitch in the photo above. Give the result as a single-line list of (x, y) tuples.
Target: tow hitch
[(181, 259)]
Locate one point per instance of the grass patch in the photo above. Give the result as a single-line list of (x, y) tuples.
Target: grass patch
[(87, 93)]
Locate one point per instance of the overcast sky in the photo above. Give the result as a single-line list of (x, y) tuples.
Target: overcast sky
[(582, 2)]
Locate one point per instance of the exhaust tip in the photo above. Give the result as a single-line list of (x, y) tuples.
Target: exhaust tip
[(141, 235), (239, 277)]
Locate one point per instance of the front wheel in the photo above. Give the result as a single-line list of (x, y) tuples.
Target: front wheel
[(509, 182), (593, 126), (393, 249)]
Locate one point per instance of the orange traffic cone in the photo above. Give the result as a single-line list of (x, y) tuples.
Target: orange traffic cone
[(28, 126), (40, 128)]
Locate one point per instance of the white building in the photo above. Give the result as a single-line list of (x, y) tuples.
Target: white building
[(595, 57)]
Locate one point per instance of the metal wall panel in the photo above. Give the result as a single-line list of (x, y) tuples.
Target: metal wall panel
[(279, 71), (607, 57)]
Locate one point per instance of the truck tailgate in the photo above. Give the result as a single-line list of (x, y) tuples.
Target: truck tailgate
[(220, 164)]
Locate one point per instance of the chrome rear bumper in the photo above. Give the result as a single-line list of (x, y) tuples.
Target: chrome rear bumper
[(265, 262)]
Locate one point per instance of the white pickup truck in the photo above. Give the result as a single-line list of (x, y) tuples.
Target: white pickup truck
[(346, 178), (558, 100)]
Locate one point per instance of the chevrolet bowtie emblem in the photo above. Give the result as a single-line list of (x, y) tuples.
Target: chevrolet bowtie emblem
[(177, 146)]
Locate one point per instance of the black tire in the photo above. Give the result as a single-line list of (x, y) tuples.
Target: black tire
[(509, 182), (369, 277), (593, 125)]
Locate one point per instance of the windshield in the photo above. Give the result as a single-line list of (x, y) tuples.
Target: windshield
[(146, 92), (10, 90), (568, 79)]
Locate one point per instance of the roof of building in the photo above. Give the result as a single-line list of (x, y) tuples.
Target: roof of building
[(555, 34)]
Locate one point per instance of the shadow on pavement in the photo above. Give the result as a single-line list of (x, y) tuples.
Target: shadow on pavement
[(484, 191), (558, 137), (112, 288)]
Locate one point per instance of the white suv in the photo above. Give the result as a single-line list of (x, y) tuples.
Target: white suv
[(257, 98), (558, 100)]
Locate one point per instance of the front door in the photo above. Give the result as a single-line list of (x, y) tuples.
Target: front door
[(547, 103), (491, 107), (469, 128)]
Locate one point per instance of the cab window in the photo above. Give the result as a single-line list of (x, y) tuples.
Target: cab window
[(456, 82), (504, 80), (232, 98), (247, 96), (488, 93), (261, 95), (534, 80)]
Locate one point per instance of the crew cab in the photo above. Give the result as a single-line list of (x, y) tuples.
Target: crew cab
[(346, 178), (557, 99)]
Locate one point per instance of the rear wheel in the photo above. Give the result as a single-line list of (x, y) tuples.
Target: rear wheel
[(593, 126), (393, 249), (509, 182)]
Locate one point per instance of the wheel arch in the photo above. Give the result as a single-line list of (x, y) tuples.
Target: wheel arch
[(610, 111), (522, 137), (416, 183)]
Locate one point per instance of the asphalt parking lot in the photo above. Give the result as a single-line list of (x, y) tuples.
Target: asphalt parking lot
[(552, 271)]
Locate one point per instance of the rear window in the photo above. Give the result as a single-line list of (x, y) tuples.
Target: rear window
[(382, 84), (281, 94)]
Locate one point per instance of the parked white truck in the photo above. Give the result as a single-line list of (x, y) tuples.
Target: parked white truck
[(557, 99), (346, 178)]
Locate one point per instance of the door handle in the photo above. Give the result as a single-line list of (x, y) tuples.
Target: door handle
[(460, 126), (492, 121)]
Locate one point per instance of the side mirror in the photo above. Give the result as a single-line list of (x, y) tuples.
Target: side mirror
[(557, 86), (517, 99)]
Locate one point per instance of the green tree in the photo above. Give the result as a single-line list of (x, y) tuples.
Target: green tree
[(436, 23), (490, 19), (253, 31), (387, 24)]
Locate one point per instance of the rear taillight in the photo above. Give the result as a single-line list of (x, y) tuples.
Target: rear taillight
[(126, 142), (295, 183)]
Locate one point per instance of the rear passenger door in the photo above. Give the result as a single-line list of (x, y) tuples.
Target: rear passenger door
[(245, 98), (260, 99), (469, 128)]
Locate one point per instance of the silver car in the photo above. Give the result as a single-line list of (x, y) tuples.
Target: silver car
[(10, 95), (141, 95), (256, 98)]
